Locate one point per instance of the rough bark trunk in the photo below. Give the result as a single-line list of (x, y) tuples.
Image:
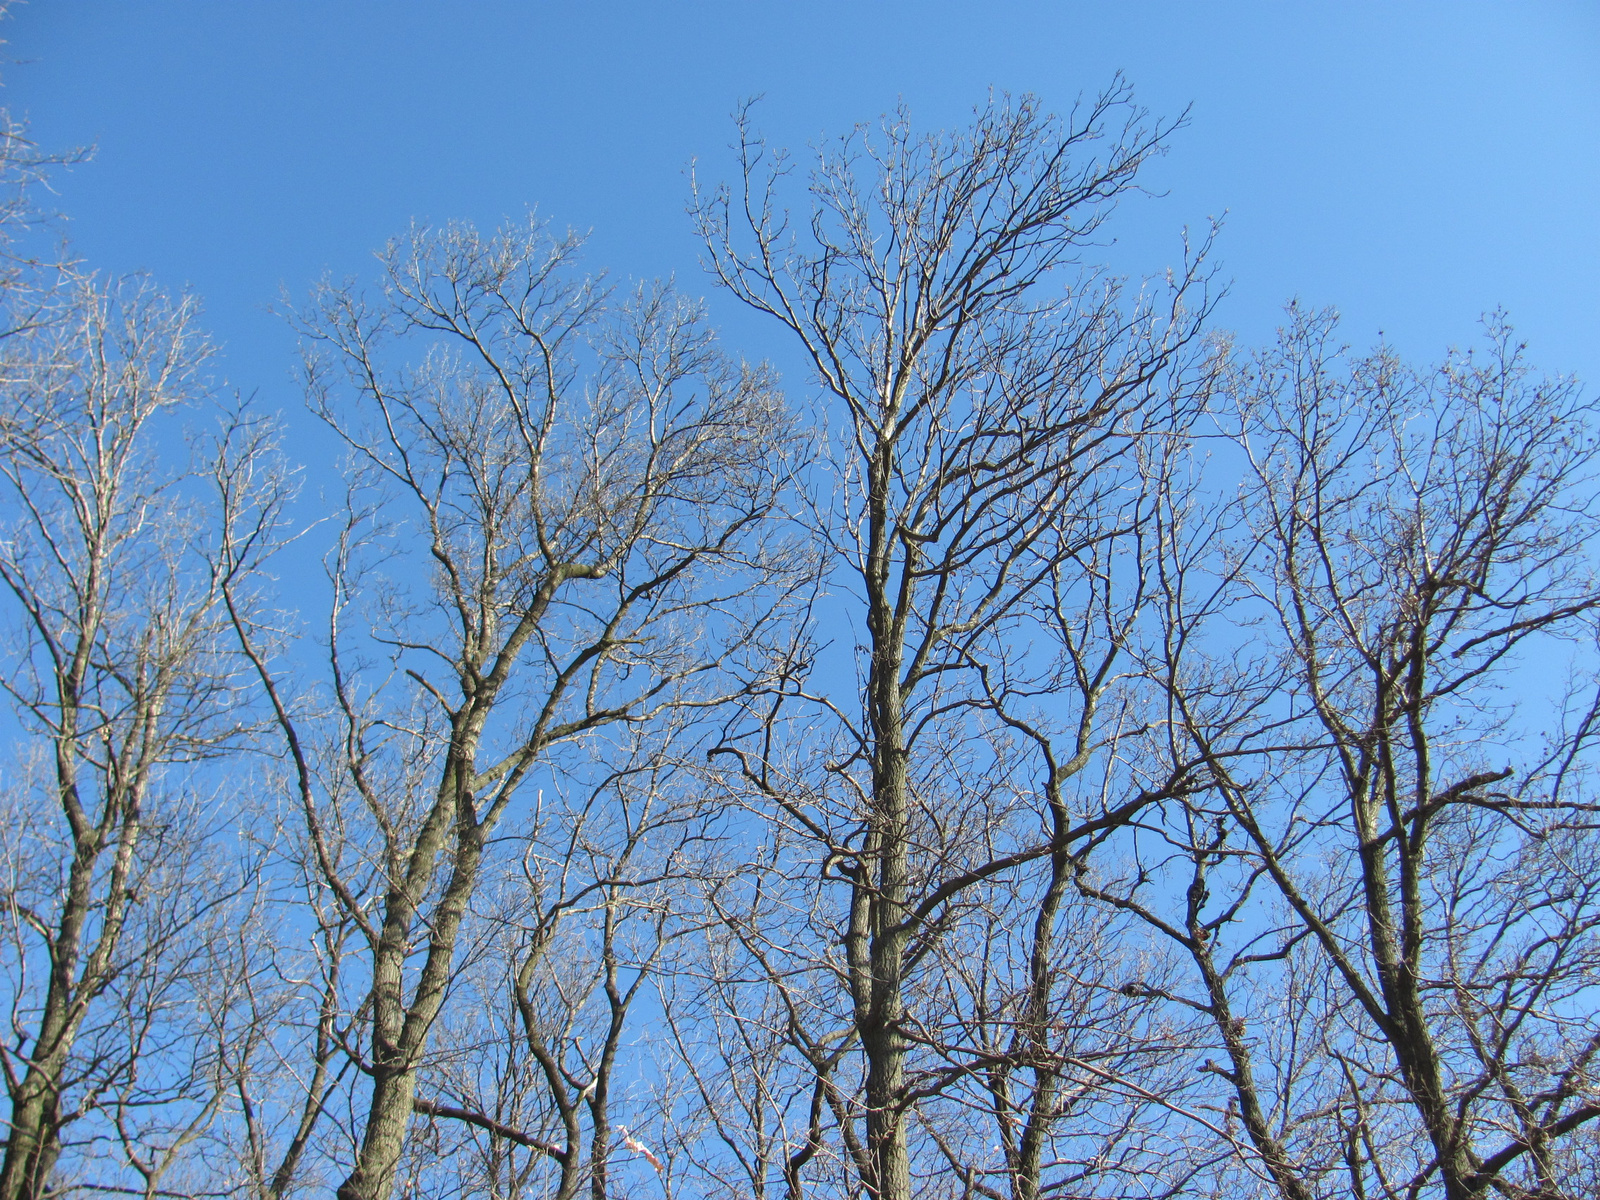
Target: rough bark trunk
[(880, 999), (1028, 1169), (33, 1141), (401, 1030), (33, 1144)]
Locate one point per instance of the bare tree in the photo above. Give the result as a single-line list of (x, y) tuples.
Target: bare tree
[(123, 684), (1389, 878), (995, 397), (1108, 767), (557, 519), (546, 1068)]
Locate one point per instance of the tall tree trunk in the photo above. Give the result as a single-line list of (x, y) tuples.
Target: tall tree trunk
[(33, 1141), (880, 998), (1028, 1168), (400, 1030)]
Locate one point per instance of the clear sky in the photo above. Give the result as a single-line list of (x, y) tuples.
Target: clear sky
[(1413, 163)]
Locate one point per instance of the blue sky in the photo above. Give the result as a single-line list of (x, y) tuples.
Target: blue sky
[(1412, 163)]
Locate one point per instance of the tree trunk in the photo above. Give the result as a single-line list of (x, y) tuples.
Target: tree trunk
[(400, 1031), (388, 1117), (880, 998), (33, 1144)]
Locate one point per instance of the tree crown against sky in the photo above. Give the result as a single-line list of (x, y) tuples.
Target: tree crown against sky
[(1150, 846)]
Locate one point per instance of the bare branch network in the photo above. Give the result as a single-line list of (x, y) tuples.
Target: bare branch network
[(1050, 752)]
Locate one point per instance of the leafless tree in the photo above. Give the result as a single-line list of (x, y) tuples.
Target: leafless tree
[(1093, 764), (1386, 888), (556, 524), (548, 1069), (120, 672), (998, 403)]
